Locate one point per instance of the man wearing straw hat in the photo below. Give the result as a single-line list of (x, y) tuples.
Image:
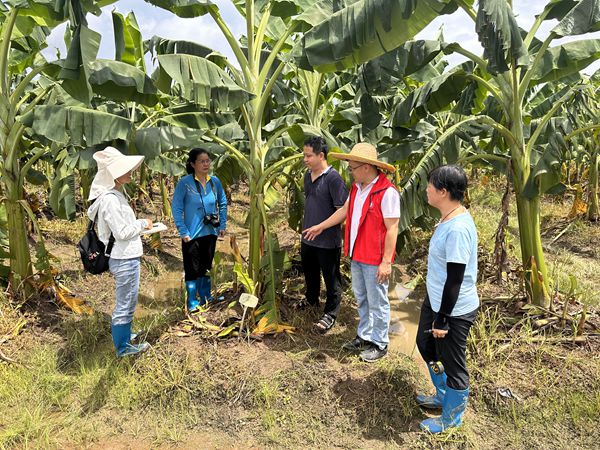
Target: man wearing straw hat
[(371, 213)]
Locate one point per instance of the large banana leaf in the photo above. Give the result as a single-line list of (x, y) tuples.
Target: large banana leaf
[(583, 18), (500, 36), (383, 72), (566, 59), (542, 100), (556, 9), (413, 203), (347, 33), (434, 96), (185, 8), (53, 12), (129, 45), (201, 82), (76, 125), (154, 141), (82, 52), (191, 118), (166, 166), (161, 46), (545, 176), (62, 190), (120, 81)]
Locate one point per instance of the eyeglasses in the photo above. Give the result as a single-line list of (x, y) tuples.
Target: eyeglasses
[(203, 161), (352, 169)]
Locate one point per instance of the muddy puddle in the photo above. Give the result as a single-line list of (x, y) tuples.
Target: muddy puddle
[(405, 310)]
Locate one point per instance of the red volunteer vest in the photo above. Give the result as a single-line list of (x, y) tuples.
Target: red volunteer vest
[(370, 239)]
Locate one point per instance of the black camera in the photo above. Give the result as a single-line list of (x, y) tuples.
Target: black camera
[(212, 219)]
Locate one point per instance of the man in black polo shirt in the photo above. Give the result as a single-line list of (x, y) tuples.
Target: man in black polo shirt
[(325, 191)]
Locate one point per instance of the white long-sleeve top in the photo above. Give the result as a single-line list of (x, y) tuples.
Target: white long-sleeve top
[(115, 215)]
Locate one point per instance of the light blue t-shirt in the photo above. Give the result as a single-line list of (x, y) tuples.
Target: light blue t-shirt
[(453, 241)]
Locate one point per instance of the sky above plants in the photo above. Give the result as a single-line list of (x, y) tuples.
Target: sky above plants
[(457, 27)]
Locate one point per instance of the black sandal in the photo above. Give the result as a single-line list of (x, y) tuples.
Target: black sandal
[(325, 323)]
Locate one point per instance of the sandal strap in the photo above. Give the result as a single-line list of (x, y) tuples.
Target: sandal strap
[(326, 322)]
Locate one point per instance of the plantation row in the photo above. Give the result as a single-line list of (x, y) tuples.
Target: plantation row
[(353, 74)]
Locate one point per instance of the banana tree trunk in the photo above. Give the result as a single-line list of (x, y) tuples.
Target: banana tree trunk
[(532, 253), (256, 225), (593, 212), (20, 259)]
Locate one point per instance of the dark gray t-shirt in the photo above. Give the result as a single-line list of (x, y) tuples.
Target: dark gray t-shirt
[(323, 196)]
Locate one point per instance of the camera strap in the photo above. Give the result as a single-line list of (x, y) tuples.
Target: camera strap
[(202, 197)]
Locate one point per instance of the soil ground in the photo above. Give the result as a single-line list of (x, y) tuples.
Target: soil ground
[(300, 390)]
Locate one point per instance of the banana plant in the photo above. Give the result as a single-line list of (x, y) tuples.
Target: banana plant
[(282, 29), (24, 27), (495, 93), (583, 112)]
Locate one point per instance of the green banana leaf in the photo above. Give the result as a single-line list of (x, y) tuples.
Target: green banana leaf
[(185, 8), (500, 36), (434, 96), (157, 45), (566, 59), (202, 82), (381, 73), (583, 18), (166, 166), (129, 45), (62, 192), (76, 125), (556, 9), (154, 141), (545, 176), (116, 80), (351, 32), (75, 68)]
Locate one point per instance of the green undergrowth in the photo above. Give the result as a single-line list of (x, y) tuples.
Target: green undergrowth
[(73, 390)]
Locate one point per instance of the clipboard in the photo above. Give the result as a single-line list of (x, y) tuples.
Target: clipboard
[(156, 228)]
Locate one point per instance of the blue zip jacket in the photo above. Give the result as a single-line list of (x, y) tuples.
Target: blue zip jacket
[(187, 209)]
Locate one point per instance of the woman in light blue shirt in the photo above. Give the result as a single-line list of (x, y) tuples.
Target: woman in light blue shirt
[(200, 213), (451, 304)]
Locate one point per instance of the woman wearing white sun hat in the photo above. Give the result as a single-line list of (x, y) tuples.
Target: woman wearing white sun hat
[(114, 216)]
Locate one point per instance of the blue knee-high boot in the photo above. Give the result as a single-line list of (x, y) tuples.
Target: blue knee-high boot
[(455, 403), (121, 335), (204, 289), (192, 300), (436, 400)]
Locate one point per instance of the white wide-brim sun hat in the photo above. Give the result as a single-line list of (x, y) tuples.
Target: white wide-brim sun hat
[(364, 153), (112, 164)]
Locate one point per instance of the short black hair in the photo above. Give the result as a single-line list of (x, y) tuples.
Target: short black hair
[(452, 178), (193, 156), (318, 145)]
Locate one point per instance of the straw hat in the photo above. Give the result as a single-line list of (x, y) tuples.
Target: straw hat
[(364, 153), (112, 164)]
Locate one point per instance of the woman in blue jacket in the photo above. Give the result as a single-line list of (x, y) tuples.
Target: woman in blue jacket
[(200, 212)]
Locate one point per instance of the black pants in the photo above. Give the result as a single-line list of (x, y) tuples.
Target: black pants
[(198, 256), (451, 350), (315, 261)]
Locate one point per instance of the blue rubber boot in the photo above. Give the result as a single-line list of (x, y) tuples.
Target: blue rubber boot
[(455, 403), (437, 400), (192, 298), (204, 290), (121, 335)]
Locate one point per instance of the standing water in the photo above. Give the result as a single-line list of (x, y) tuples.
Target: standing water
[(405, 311)]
